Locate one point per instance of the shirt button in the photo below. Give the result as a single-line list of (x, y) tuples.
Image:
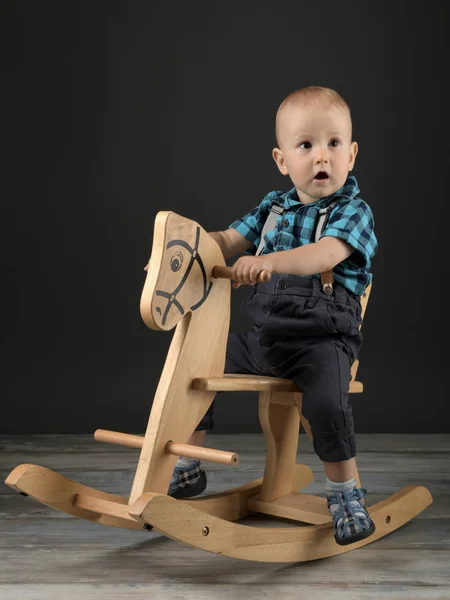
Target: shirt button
[(285, 223), (282, 285)]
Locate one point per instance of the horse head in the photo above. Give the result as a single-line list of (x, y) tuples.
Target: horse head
[(179, 277)]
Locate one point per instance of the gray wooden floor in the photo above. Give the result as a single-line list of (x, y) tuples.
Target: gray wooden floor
[(45, 554)]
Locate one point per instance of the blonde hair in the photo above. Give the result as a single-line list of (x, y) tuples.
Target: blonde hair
[(312, 95)]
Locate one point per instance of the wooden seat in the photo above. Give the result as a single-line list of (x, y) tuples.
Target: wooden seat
[(187, 288), (252, 383)]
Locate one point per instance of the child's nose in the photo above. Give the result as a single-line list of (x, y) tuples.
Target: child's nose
[(322, 155)]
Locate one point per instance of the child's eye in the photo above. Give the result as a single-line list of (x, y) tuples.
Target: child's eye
[(307, 144), (335, 143)]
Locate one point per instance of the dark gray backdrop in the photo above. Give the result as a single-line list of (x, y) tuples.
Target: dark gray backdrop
[(114, 111)]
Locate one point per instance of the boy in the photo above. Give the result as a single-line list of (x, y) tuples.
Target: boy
[(301, 330)]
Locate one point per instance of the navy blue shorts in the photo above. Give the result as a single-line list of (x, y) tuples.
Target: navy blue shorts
[(300, 333)]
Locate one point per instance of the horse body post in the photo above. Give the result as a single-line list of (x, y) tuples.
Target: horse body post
[(181, 291)]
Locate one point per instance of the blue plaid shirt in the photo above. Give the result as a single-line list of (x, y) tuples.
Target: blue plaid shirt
[(350, 220)]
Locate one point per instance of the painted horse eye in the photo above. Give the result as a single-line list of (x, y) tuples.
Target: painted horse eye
[(176, 261)]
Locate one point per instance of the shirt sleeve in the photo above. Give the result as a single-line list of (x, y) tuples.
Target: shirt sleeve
[(250, 225), (353, 222)]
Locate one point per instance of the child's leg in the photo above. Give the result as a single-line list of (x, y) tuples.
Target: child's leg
[(189, 478), (197, 438), (340, 471), (322, 370)]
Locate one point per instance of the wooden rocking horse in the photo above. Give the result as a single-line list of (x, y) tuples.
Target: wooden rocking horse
[(188, 285)]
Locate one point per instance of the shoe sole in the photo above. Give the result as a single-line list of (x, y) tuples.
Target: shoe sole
[(191, 490), (355, 538)]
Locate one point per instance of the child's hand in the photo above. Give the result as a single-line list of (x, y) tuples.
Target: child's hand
[(247, 268)]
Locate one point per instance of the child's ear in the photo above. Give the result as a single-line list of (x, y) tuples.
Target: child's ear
[(278, 157), (353, 153)]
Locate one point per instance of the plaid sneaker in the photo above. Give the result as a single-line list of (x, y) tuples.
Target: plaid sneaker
[(350, 517), (188, 481)]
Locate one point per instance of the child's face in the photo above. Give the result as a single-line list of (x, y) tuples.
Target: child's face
[(312, 140)]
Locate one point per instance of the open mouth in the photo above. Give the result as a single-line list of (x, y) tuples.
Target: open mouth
[(322, 175)]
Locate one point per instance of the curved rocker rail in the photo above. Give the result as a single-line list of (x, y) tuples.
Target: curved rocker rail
[(184, 523), (64, 494), (206, 522)]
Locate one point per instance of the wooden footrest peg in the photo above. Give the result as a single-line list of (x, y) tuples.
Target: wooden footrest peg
[(198, 452), (217, 456)]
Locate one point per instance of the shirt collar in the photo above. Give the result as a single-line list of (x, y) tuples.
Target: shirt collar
[(349, 190)]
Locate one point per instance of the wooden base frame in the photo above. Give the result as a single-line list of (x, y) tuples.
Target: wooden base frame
[(207, 522)]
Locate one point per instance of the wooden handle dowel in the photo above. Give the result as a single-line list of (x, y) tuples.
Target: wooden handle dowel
[(217, 456), (225, 273), (115, 437)]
